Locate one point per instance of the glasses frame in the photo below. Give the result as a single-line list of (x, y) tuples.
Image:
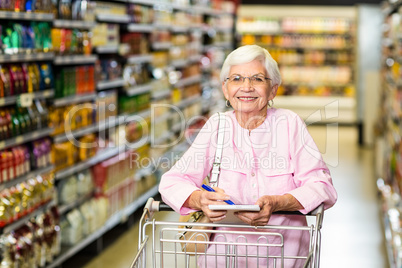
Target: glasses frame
[(249, 78)]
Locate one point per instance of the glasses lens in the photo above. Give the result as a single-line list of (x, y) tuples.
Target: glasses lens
[(236, 79), (257, 80)]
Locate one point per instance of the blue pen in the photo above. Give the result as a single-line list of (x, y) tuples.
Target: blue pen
[(209, 189)]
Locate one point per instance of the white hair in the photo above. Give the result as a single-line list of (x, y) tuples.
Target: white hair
[(248, 53)]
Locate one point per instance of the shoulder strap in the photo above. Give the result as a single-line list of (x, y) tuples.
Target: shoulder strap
[(214, 179)]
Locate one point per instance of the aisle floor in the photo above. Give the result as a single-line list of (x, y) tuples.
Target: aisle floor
[(352, 232)]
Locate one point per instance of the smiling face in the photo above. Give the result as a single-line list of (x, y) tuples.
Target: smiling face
[(248, 98)]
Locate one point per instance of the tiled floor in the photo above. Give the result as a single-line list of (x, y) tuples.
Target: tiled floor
[(352, 234)]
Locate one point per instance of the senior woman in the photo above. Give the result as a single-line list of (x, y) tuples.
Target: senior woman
[(268, 159)]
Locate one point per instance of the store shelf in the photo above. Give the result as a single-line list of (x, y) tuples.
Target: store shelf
[(110, 223), (309, 48), (109, 49), (336, 109), (41, 56), (113, 18), (161, 94), (179, 29), (76, 59), (223, 45), (25, 177), (140, 28), (140, 89), (188, 81), (317, 83), (143, 2), (25, 138), (80, 98), (139, 58), (74, 24), (136, 116), (18, 223), (9, 15), (189, 101), (45, 94), (181, 63), (161, 45), (100, 157), (98, 127), (102, 85), (80, 200)]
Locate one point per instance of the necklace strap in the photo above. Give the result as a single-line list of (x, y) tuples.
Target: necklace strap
[(214, 180)]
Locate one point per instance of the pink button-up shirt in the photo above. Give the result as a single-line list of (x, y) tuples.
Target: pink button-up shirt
[(276, 158)]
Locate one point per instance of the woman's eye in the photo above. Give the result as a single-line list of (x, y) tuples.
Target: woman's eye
[(258, 79), (237, 78)]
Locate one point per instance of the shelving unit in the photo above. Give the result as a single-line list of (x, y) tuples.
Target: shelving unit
[(389, 132), (315, 55), (55, 100)]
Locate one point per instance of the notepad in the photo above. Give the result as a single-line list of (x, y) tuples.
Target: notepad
[(231, 209), (235, 207)]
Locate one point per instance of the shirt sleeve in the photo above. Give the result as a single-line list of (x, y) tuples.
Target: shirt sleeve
[(188, 173), (311, 176)]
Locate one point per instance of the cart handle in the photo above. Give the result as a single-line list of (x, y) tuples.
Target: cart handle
[(153, 205)]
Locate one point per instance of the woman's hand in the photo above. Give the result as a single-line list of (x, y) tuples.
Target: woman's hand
[(269, 204), (202, 199)]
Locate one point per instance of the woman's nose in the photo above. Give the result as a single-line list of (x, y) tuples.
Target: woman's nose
[(247, 85)]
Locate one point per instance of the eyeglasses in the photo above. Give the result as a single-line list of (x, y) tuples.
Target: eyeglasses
[(256, 80)]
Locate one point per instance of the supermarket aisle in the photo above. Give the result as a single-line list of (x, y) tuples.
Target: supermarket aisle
[(352, 235)]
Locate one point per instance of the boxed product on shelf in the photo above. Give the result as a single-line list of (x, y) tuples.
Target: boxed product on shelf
[(71, 41), (112, 172), (140, 14), (67, 190), (19, 121), (106, 103), (160, 36), (107, 69), (135, 130), (33, 244), (85, 184), (163, 16), (76, 10), (77, 117), (138, 43), (105, 34), (16, 79), (136, 74), (84, 220), (134, 104), (75, 80), (22, 199), (191, 90), (72, 228), (23, 38), (108, 8)]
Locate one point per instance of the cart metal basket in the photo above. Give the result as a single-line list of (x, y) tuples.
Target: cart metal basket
[(161, 242)]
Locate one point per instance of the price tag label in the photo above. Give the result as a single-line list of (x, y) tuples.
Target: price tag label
[(25, 100), (2, 101), (2, 144)]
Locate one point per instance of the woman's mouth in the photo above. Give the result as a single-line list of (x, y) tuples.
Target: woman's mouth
[(247, 98)]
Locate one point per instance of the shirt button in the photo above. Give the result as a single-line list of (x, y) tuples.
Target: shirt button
[(252, 174), (254, 185), (254, 197)]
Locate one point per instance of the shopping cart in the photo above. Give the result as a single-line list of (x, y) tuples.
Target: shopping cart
[(167, 240)]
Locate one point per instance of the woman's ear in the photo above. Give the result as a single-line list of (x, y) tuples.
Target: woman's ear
[(273, 92), (225, 90)]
